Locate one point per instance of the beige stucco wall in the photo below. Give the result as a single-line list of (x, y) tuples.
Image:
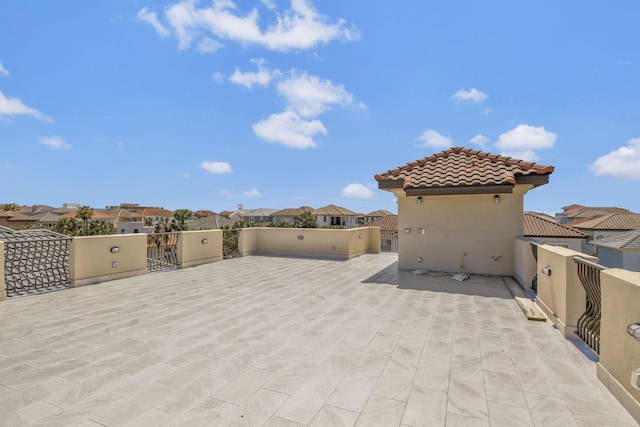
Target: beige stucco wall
[(192, 251), (619, 351), (309, 242), (91, 259), (561, 295), (463, 233), (524, 264), (3, 292)]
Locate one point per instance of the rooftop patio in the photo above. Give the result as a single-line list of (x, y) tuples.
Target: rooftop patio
[(267, 341)]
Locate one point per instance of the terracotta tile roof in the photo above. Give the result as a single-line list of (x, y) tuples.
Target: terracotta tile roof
[(202, 213), (155, 212), (380, 212), (613, 221), (537, 226), (386, 223), (293, 211), (591, 211), (226, 214), (462, 167), (96, 215), (628, 240), (574, 209), (17, 216), (333, 210)]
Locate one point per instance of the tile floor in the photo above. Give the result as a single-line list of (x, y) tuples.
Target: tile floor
[(265, 341)]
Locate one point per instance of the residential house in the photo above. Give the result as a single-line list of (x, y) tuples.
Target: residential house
[(375, 215), (155, 214), (332, 215), (609, 225), (574, 212), (202, 213), (548, 231), (260, 216), (97, 215), (289, 215), (460, 210), (47, 219), (16, 220), (619, 251), (211, 222)]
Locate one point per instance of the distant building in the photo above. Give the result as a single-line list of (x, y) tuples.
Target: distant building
[(619, 251), (573, 213), (289, 215), (547, 231), (603, 226), (333, 215), (375, 215)]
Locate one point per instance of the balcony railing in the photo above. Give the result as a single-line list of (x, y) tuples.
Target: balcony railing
[(162, 251), (588, 326), (388, 241)]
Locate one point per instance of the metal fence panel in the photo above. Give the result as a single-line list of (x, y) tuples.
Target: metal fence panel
[(588, 326), (389, 241), (162, 251)]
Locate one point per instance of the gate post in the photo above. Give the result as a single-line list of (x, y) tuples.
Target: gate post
[(3, 289)]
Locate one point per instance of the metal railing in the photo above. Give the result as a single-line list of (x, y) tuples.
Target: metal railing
[(389, 241), (36, 266), (588, 326), (230, 243), (534, 251), (162, 251)]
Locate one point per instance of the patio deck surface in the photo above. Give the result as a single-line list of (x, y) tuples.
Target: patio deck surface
[(265, 341)]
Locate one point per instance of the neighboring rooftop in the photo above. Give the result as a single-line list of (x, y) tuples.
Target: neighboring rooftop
[(539, 226), (613, 221), (380, 212), (628, 240), (293, 211), (333, 210), (461, 170), (386, 223)]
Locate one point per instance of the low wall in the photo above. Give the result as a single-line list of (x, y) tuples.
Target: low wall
[(199, 247), (310, 242), (524, 267), (3, 292), (91, 259), (619, 351), (560, 294)]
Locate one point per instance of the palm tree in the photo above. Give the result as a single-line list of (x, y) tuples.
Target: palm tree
[(181, 216), (68, 226), (305, 220), (85, 213), (8, 207), (100, 227)]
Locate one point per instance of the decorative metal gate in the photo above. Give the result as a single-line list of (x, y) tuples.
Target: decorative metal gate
[(588, 327), (389, 241), (162, 251), (36, 261)]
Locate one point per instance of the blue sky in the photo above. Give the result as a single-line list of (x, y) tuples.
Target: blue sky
[(204, 105)]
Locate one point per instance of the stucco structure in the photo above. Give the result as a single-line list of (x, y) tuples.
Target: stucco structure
[(460, 210)]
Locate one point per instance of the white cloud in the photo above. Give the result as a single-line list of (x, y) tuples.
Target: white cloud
[(432, 138), (289, 129), (522, 141), (300, 27), (3, 71), (209, 45), (186, 175), (473, 95), (217, 77), (55, 143), (216, 167), (269, 4), (14, 106), (262, 77), (147, 15), (357, 191), (622, 163), (480, 140), (252, 193), (309, 96)]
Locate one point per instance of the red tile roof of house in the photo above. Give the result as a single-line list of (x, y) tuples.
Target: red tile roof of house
[(293, 211), (333, 210), (380, 212), (461, 168), (613, 221), (386, 223), (537, 226), (154, 212)]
